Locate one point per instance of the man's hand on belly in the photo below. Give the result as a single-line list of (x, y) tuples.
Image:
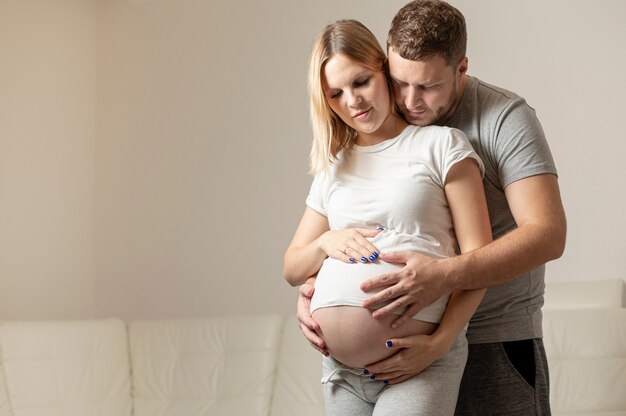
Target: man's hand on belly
[(417, 285)]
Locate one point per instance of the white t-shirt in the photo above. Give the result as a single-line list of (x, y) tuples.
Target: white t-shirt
[(397, 185)]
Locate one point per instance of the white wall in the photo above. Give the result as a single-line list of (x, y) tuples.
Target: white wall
[(202, 151), (47, 141), (202, 138), (568, 59)]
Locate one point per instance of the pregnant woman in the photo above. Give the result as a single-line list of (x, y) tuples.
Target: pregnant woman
[(381, 185)]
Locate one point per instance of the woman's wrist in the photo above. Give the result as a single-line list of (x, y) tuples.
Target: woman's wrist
[(319, 244), (444, 337)]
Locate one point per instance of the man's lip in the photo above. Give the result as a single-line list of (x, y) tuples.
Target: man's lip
[(361, 113)]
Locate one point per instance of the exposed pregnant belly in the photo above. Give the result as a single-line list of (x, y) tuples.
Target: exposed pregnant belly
[(352, 335), (356, 339)]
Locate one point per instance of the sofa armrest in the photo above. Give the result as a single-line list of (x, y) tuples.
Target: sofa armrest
[(594, 294), (76, 368), (586, 352)]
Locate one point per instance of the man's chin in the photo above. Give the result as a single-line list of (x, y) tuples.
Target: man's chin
[(419, 121)]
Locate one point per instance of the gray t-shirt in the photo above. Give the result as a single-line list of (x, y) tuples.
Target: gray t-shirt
[(505, 132)]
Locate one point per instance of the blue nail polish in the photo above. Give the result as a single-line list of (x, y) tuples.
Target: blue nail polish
[(372, 377), (352, 260), (376, 254), (380, 229), (372, 258), (385, 382), (365, 372), (363, 259), (389, 344)]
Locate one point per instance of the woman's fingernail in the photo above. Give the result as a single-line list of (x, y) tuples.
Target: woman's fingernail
[(389, 344), (365, 372), (372, 377), (380, 228), (376, 254), (385, 382), (372, 258), (363, 259), (352, 260)]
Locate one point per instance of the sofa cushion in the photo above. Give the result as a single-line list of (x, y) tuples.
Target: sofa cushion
[(594, 294), (5, 408), (586, 352), (298, 390), (71, 368), (216, 366)]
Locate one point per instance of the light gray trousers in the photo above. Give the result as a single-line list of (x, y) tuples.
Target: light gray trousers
[(433, 392)]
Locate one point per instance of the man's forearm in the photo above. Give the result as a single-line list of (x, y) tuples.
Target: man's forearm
[(505, 259)]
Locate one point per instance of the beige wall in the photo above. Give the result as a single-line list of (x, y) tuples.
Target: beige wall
[(47, 140), (202, 134)]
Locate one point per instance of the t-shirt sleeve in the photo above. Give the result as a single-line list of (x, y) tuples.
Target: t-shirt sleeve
[(521, 146), (317, 199), (456, 148)]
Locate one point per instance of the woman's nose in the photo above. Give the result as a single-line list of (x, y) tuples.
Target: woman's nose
[(354, 100)]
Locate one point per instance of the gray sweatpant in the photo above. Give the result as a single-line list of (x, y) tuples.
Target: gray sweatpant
[(433, 392), (506, 378)]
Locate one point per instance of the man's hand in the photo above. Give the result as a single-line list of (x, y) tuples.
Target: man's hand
[(415, 353), (418, 284), (307, 325)]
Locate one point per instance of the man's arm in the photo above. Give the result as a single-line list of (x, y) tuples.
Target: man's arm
[(536, 206), (535, 203)]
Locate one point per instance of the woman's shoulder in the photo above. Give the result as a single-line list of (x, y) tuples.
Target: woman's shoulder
[(433, 135)]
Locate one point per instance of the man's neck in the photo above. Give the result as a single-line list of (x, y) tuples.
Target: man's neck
[(455, 105)]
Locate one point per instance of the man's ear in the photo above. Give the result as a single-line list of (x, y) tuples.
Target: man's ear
[(461, 68)]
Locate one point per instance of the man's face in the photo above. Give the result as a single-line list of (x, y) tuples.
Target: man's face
[(428, 90)]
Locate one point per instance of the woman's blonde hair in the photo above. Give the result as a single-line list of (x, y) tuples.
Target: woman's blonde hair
[(352, 39)]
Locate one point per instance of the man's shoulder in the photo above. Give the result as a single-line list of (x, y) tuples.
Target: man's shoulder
[(492, 104), (485, 89)]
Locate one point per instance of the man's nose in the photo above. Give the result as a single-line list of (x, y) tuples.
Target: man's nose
[(413, 97)]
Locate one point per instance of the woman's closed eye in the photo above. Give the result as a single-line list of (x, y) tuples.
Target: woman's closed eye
[(335, 94), (362, 82)]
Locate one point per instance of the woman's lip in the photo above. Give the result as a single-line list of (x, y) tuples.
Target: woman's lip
[(362, 114)]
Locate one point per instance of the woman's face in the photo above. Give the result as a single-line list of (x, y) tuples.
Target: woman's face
[(358, 95)]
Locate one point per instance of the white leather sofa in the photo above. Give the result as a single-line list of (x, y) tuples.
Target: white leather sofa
[(261, 365)]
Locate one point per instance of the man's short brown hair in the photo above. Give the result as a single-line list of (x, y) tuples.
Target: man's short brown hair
[(425, 28)]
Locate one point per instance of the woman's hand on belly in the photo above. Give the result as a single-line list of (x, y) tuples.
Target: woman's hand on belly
[(350, 245), (356, 339), (411, 355)]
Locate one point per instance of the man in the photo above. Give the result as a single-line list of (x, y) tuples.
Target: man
[(507, 371)]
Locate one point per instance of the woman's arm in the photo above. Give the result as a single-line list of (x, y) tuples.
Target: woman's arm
[(466, 199), (304, 256), (314, 241), (468, 206)]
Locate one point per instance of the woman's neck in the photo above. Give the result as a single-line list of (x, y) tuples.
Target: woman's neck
[(391, 127)]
